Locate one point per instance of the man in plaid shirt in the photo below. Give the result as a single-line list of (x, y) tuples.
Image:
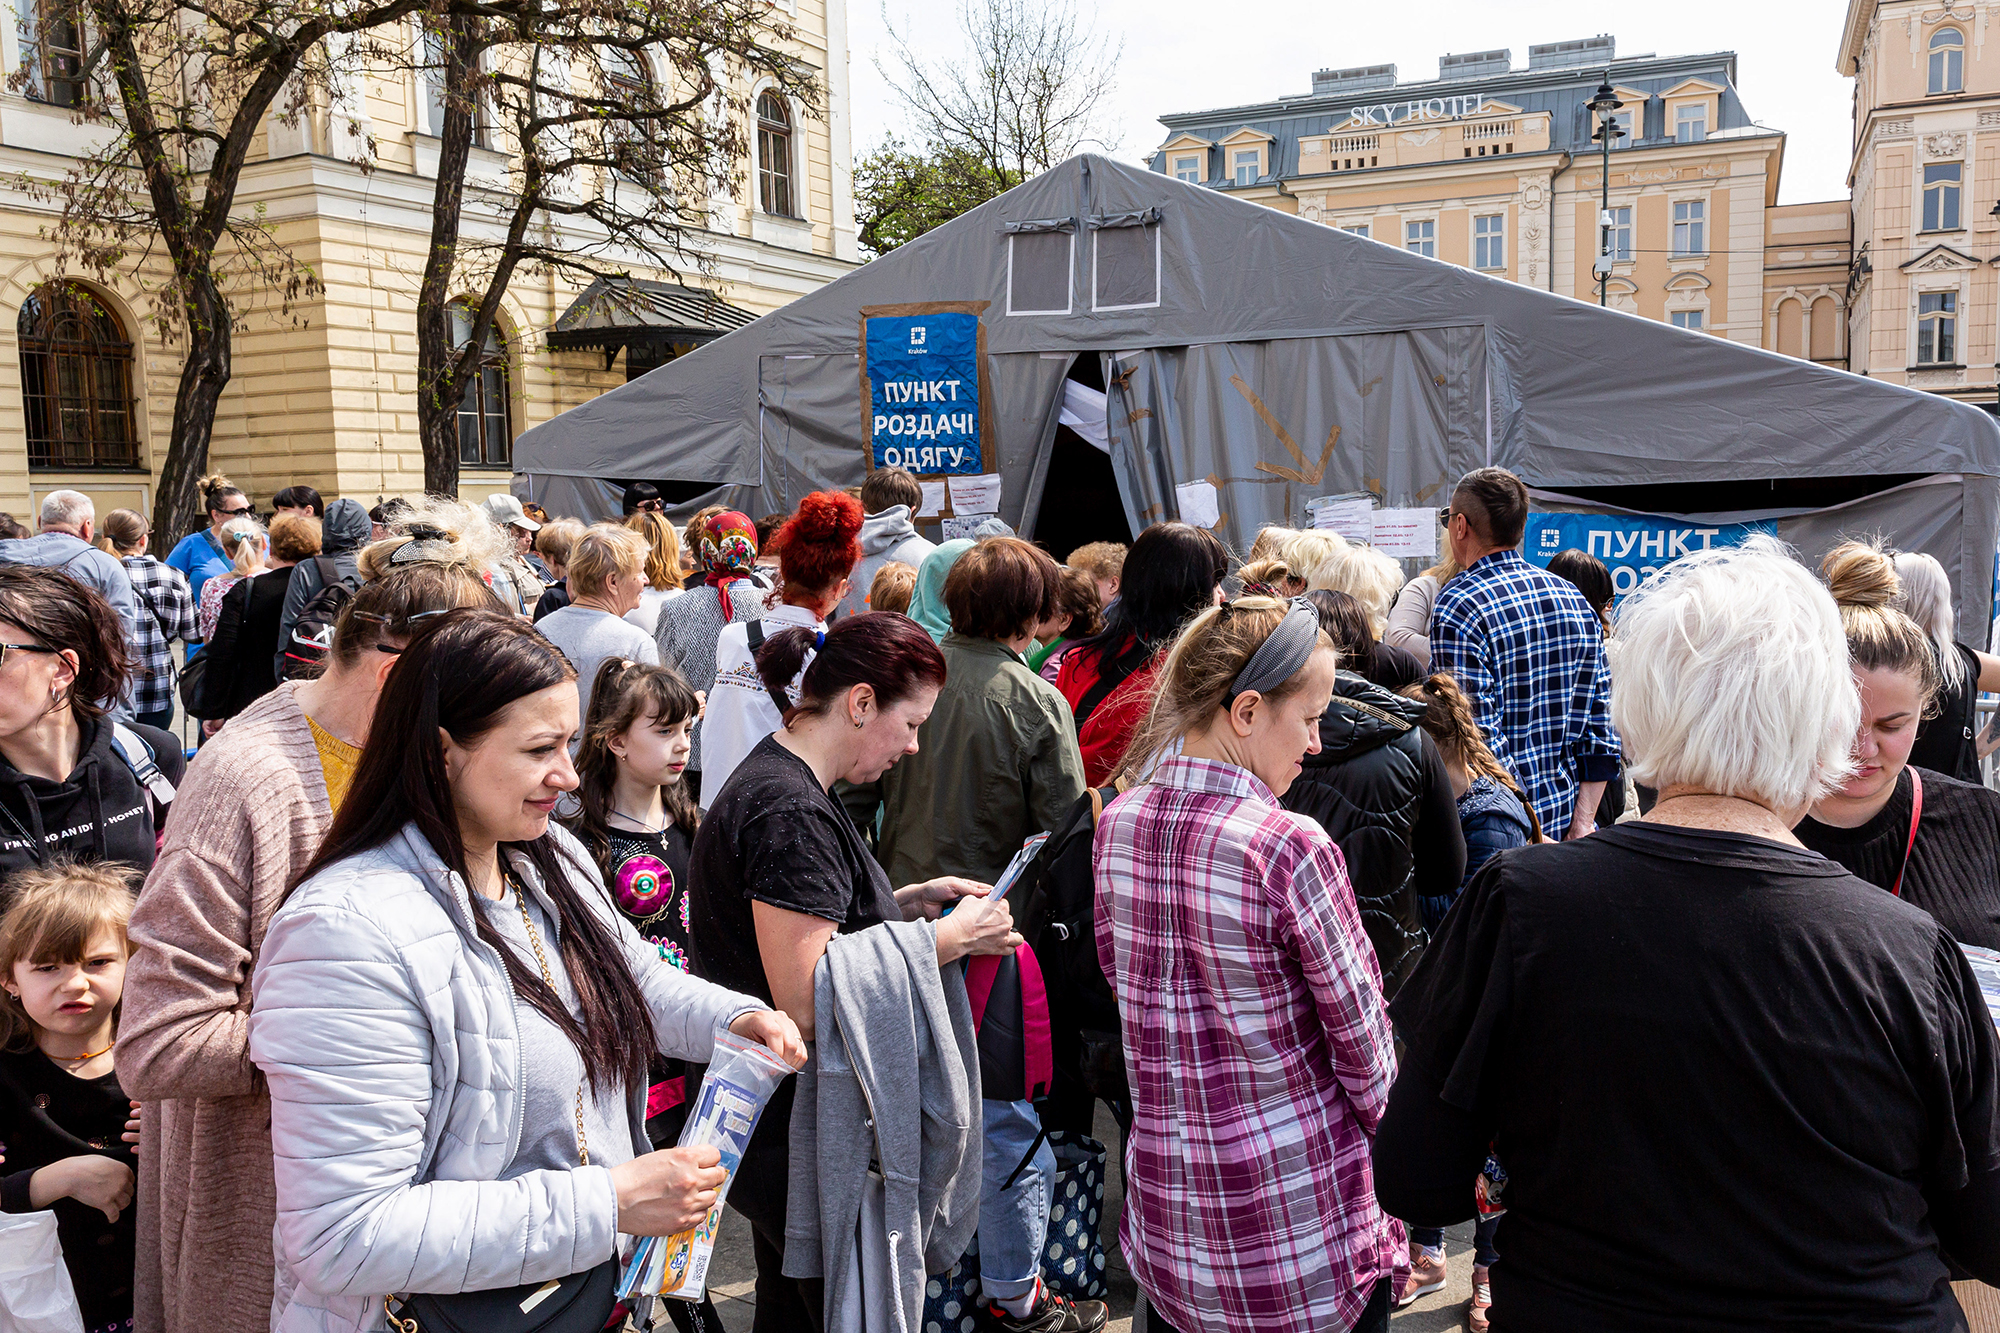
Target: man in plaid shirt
[(166, 613), (1527, 649)]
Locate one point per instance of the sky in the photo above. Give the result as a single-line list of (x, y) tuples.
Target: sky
[(1179, 57)]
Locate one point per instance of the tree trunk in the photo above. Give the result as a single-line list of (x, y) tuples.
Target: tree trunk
[(204, 374), (440, 366)]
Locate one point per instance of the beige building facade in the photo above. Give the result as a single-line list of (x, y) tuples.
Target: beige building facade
[(1498, 168), (325, 394), (1923, 297)]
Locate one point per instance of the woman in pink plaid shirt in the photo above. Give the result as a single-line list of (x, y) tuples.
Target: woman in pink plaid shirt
[(1255, 1035)]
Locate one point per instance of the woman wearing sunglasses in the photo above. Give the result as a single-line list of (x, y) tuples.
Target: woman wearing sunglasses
[(65, 788), (251, 815)]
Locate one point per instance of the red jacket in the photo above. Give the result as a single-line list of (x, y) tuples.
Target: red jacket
[(1106, 734)]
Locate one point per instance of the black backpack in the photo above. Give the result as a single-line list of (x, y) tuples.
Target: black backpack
[(312, 633), (1056, 906)]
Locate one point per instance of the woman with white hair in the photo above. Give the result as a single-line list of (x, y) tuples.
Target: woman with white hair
[(1734, 1086), (1945, 741)]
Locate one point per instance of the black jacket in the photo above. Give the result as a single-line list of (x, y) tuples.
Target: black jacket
[(46, 1114), (100, 812), (1379, 788), (243, 649)]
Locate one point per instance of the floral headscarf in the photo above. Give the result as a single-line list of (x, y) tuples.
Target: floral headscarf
[(727, 551)]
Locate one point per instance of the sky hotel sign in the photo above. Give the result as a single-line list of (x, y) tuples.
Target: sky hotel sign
[(1398, 113)]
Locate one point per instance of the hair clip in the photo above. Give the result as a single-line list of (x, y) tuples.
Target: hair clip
[(819, 640)]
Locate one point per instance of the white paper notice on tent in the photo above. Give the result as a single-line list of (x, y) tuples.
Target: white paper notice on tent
[(933, 504), (975, 495), (1353, 519), (1402, 532), (960, 529), (1200, 506)]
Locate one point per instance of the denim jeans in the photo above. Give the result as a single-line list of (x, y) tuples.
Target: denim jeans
[(1484, 1252), (1013, 1222)]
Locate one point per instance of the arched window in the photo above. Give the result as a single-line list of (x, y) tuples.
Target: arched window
[(774, 155), (485, 434), (76, 381), (1947, 60)]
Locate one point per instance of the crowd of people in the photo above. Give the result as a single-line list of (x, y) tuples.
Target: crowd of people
[(1643, 936)]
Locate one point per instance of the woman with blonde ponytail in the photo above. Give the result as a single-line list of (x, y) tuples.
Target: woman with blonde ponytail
[(1250, 1003), (1916, 832)]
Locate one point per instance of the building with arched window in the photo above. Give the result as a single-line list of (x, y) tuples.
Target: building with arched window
[(323, 388)]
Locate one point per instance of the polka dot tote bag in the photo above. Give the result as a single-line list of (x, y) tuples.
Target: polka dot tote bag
[(1073, 1254)]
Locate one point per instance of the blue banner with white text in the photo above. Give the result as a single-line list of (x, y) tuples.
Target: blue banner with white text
[(1632, 546), (923, 393)]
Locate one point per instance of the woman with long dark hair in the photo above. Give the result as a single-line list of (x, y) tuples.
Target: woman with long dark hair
[(455, 1022), (1172, 573), (780, 868)]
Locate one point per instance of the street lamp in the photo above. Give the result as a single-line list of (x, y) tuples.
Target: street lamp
[(1606, 105)]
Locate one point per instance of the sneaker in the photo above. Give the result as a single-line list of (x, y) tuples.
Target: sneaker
[(1482, 1300), (1426, 1274), (1051, 1314)]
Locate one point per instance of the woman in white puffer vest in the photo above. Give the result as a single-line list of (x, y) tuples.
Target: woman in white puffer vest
[(455, 1021)]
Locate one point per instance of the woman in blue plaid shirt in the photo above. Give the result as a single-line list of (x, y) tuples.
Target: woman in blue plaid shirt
[(163, 591)]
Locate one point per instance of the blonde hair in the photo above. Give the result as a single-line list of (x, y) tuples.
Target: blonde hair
[(1926, 599), (663, 555), (243, 538), (1100, 560), (1863, 581), (895, 583), (554, 542), (1729, 674), (53, 913), (295, 537), (603, 552), (1327, 560), (1200, 670), (1269, 540), (1272, 572), (453, 533), (1445, 570)]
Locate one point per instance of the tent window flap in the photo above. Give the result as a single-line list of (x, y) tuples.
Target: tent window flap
[(1039, 265), (1125, 267)]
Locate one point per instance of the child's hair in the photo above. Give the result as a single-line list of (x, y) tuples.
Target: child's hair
[(623, 693), (1448, 718), (243, 541), (895, 584), (53, 912), (1077, 599)]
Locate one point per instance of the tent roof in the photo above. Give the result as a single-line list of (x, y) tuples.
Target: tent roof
[(1581, 395)]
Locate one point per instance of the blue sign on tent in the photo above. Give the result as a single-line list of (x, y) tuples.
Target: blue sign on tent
[(923, 393), (1632, 546)]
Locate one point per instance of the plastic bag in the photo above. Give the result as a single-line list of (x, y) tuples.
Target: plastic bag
[(740, 1080), (35, 1291)]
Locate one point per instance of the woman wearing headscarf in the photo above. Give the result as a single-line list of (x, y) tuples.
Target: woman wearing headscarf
[(725, 554), (927, 606)]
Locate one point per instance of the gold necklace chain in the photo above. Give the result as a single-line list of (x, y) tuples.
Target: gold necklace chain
[(542, 961)]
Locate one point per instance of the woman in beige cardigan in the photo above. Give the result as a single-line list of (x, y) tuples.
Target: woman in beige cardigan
[(251, 812)]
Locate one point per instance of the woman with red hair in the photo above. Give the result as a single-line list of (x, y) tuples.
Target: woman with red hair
[(817, 548)]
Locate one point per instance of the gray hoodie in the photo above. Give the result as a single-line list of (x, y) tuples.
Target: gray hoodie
[(896, 1068), (342, 534), (889, 535), (86, 564)]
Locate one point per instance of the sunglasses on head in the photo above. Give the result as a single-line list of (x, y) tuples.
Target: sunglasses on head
[(409, 626)]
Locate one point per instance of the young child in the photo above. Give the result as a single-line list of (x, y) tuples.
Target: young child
[(638, 819), (67, 1125)]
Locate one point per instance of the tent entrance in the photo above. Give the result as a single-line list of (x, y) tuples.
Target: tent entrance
[(1079, 492)]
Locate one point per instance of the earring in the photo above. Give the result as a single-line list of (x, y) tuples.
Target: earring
[(860, 723)]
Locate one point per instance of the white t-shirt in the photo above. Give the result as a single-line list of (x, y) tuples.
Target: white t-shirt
[(646, 615), (741, 711)]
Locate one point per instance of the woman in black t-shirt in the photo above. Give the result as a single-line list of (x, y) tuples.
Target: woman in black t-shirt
[(1945, 740), (1944, 857), (779, 868), (1734, 1086)]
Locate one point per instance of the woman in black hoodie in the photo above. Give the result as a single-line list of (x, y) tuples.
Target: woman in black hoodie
[(65, 785), (1379, 788)]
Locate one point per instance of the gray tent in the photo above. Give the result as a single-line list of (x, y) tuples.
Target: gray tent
[(1282, 361)]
